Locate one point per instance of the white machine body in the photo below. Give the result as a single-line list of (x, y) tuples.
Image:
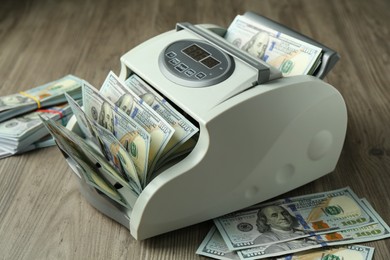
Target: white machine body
[(256, 141)]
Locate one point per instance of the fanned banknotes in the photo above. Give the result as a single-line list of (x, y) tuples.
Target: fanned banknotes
[(121, 142), (135, 107), (184, 129), (290, 55), (94, 167), (130, 134), (117, 139), (109, 146)]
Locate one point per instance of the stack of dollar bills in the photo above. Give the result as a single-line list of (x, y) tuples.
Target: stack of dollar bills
[(327, 225), (127, 131), (288, 54), (21, 129)]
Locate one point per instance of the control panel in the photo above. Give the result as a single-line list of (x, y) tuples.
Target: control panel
[(193, 63)]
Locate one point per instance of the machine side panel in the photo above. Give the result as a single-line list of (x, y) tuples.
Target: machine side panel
[(247, 146)]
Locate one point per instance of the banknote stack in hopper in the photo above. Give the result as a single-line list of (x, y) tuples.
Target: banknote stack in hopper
[(21, 129), (127, 133), (288, 54), (301, 227)]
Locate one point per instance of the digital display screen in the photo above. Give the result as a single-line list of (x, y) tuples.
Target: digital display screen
[(195, 52), (210, 62)]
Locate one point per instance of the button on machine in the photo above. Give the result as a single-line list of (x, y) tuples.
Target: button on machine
[(200, 75), (181, 67), (190, 72), (171, 54), (174, 61)]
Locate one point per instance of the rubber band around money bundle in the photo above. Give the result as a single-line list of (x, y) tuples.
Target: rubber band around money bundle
[(52, 111), (32, 97)]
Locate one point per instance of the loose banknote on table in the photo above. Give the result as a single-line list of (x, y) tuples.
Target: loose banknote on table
[(213, 246), (292, 225), (302, 217), (358, 234)]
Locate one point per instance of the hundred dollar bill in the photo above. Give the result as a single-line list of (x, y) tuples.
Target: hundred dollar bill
[(215, 247), (290, 55), (130, 134), (110, 147), (115, 153), (46, 95), (86, 160), (159, 130), (293, 218), (353, 252), (378, 230), (83, 122), (184, 129)]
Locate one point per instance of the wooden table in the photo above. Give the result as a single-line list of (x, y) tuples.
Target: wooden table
[(43, 215)]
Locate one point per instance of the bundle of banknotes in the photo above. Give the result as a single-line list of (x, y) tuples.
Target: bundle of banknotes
[(288, 54), (327, 225), (127, 131), (21, 130)]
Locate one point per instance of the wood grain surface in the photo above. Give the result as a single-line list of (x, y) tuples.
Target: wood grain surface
[(43, 215)]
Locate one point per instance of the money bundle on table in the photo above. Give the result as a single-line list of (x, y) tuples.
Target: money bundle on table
[(311, 225), (126, 128), (290, 55), (21, 129)]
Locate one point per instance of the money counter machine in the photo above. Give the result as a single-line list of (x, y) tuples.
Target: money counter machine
[(260, 134)]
